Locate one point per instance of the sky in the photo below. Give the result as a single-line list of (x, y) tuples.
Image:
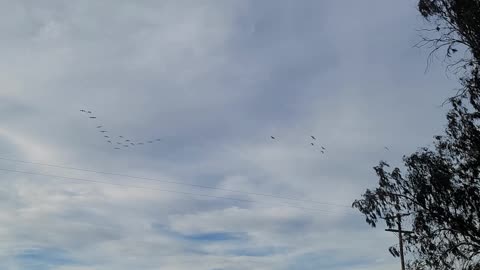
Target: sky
[(213, 80)]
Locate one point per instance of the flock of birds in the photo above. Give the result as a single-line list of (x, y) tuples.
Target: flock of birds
[(117, 141), (311, 143)]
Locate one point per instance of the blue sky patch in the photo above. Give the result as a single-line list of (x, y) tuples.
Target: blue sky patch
[(257, 252), (201, 237), (215, 237), (43, 258)]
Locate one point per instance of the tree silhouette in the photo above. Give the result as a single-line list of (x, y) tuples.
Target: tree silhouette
[(440, 187)]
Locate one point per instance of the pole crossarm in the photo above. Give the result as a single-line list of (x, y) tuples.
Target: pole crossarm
[(398, 231)]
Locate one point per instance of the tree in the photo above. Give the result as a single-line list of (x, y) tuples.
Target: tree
[(457, 21), (440, 188)]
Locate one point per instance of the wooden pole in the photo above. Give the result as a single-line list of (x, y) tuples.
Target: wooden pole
[(400, 238)]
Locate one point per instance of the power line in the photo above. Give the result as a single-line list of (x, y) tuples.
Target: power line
[(173, 182), (165, 190)]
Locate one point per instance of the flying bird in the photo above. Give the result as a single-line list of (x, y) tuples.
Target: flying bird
[(120, 136), (313, 137), (127, 140), (92, 117), (322, 152), (273, 138), (103, 131), (386, 148), (82, 110), (312, 143), (323, 148), (89, 112), (109, 141), (106, 136), (132, 143)]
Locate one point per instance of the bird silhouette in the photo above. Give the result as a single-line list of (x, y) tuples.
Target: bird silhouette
[(313, 137), (106, 136), (273, 138), (323, 148), (127, 140), (322, 152), (312, 143), (82, 110), (386, 148), (132, 143), (93, 117), (103, 131), (120, 136), (89, 112), (109, 141)]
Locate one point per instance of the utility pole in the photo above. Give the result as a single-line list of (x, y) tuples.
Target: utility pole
[(400, 238)]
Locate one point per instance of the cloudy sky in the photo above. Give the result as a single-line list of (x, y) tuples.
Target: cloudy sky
[(213, 80)]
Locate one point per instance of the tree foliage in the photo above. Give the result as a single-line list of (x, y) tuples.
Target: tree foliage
[(440, 187), (456, 22)]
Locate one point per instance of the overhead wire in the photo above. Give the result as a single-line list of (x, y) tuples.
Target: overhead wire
[(173, 182), (167, 190)]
